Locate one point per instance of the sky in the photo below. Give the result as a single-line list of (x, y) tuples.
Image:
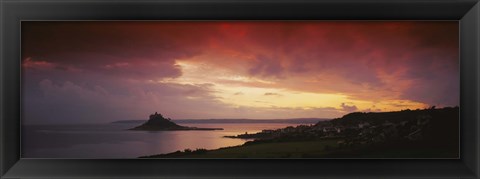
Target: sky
[(102, 71)]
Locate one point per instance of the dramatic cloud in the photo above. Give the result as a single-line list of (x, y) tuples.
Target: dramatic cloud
[(348, 108), (272, 94), (105, 71)]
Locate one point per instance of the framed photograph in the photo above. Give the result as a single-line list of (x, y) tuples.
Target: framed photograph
[(240, 89)]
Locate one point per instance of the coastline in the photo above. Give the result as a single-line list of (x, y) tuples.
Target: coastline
[(399, 134), (178, 129)]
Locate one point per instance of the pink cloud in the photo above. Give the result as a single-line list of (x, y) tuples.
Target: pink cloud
[(348, 108), (112, 63)]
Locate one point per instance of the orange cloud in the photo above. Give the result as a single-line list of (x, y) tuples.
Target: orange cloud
[(216, 69)]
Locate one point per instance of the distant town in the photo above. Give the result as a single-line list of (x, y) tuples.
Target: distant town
[(430, 133), (358, 132)]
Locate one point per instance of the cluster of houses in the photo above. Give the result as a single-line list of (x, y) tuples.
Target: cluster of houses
[(366, 133), (358, 133)]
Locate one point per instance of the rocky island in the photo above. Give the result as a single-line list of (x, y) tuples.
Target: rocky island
[(420, 133), (157, 122)]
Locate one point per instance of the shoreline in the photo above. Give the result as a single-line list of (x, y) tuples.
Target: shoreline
[(179, 129)]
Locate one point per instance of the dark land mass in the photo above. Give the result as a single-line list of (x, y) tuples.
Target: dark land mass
[(427, 133), (213, 121), (158, 123)]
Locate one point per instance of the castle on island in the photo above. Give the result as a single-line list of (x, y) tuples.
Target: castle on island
[(157, 122)]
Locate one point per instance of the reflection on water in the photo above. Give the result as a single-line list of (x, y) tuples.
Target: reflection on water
[(114, 141)]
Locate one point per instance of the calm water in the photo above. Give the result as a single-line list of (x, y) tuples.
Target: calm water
[(113, 141)]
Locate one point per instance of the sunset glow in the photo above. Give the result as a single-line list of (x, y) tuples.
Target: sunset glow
[(100, 71)]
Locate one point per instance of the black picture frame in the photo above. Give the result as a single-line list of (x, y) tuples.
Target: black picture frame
[(467, 12)]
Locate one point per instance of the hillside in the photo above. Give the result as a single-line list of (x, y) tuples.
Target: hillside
[(427, 133)]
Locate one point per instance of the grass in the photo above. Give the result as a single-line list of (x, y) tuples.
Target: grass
[(325, 148), (398, 150), (267, 150)]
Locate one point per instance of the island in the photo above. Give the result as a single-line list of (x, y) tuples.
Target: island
[(157, 122), (420, 133)]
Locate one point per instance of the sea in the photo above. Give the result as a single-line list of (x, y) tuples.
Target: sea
[(114, 141)]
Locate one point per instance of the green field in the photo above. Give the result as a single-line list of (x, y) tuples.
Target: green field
[(326, 148), (266, 150), (419, 149), (438, 138)]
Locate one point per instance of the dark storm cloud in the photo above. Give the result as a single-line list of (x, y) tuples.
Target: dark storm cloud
[(118, 66), (144, 49)]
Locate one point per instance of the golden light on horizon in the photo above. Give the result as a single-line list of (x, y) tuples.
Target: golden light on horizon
[(239, 69), (239, 90)]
